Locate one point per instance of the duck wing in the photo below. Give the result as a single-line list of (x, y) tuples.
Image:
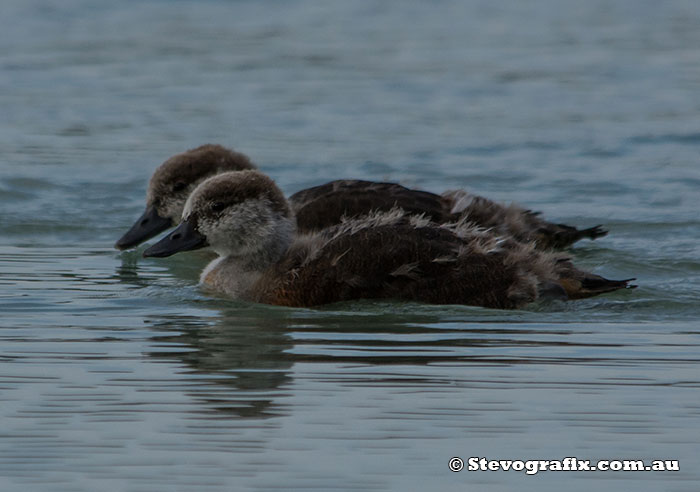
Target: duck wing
[(325, 205)]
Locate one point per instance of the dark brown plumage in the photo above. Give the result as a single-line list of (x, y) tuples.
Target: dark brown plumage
[(389, 262), (422, 262), (325, 205)]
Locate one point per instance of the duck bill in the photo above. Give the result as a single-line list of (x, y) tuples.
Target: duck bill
[(184, 238), (145, 227)]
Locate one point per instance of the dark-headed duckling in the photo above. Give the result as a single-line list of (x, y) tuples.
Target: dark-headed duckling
[(245, 218), (171, 184), (323, 206)]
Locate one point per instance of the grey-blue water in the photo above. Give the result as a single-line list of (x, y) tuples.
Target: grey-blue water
[(119, 373)]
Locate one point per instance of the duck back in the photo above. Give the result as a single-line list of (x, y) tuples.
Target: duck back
[(326, 205)]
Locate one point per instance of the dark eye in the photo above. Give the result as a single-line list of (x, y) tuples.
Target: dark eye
[(179, 186), (218, 207)]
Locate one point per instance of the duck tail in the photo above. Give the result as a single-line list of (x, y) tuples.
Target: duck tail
[(592, 285), (559, 236), (592, 232), (567, 235)]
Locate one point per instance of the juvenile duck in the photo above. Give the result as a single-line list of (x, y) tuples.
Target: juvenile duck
[(323, 206), (245, 218)]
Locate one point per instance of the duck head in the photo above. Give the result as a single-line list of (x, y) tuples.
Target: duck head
[(171, 184), (240, 214)]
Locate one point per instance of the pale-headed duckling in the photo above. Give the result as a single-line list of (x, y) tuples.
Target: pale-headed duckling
[(323, 206), (245, 218)]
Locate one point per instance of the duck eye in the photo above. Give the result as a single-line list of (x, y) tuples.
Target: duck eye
[(218, 207), (179, 186)]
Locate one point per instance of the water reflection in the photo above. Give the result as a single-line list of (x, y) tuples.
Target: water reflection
[(244, 355)]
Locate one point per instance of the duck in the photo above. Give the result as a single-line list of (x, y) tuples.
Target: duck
[(395, 255), (325, 205)]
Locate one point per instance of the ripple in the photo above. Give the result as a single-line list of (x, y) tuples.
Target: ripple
[(120, 372)]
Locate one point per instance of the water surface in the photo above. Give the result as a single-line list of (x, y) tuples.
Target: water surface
[(119, 373)]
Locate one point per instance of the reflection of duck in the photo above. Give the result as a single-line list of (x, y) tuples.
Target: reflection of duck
[(245, 218), (325, 205), (245, 361), (244, 357)]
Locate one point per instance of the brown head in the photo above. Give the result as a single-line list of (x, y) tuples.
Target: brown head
[(171, 184)]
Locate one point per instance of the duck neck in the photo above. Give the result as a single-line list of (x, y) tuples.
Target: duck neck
[(236, 274), (272, 249)]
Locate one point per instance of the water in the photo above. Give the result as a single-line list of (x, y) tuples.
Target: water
[(118, 373)]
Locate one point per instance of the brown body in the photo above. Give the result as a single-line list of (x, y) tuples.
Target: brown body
[(414, 260), (390, 262)]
